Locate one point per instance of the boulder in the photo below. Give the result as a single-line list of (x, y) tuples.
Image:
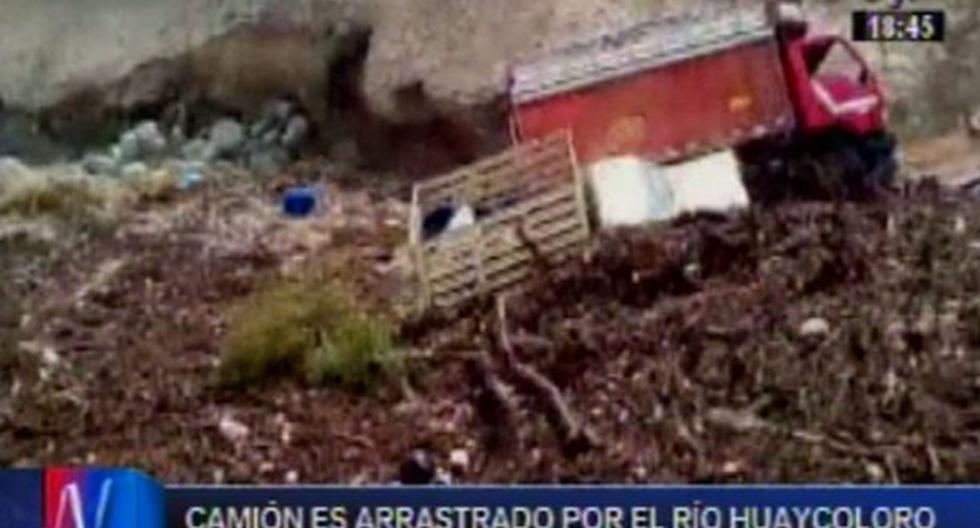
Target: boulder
[(100, 164), (134, 170), (149, 138), (198, 150), (296, 133), (273, 117), (226, 138), (267, 160), (128, 147), (12, 169)]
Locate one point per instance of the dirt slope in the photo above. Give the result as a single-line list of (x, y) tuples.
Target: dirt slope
[(813, 342)]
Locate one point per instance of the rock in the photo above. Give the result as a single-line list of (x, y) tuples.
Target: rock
[(959, 225), (296, 133), (150, 139), (280, 110), (875, 472), (973, 124), (443, 478), (49, 357), (100, 165), (274, 116), (197, 150), (233, 430), (459, 461), (226, 138), (268, 139), (12, 169), (814, 327), (267, 160), (134, 171), (128, 148), (418, 468)]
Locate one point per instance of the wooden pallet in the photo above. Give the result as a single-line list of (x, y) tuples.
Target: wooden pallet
[(533, 199)]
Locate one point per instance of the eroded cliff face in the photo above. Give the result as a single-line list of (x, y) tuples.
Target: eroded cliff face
[(422, 60), (459, 50)]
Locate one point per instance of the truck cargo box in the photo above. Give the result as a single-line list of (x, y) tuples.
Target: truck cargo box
[(663, 90)]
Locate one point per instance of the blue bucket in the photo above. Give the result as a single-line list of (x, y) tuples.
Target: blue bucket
[(299, 202)]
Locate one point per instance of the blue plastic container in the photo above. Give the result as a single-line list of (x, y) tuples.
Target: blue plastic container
[(300, 202)]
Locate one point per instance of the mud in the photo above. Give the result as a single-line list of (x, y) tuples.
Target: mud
[(679, 348)]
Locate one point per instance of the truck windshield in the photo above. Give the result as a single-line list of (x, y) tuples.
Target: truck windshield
[(833, 59)]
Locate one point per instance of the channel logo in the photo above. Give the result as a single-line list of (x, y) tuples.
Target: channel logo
[(77, 498)]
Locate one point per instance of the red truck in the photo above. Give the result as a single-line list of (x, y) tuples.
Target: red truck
[(793, 103)]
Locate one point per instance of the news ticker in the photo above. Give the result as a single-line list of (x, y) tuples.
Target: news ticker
[(112, 498)]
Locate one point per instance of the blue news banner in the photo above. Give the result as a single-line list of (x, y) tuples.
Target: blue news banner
[(104, 498)]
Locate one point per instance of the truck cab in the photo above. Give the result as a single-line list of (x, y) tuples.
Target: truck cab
[(831, 85)]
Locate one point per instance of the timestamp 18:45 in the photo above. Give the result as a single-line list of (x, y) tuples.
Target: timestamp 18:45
[(899, 26)]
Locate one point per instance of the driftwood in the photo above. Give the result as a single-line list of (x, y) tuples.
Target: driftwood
[(574, 435)]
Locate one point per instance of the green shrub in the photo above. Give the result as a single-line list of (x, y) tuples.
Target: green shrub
[(50, 195), (312, 329)]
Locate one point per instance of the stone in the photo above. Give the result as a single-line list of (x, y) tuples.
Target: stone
[(134, 171), (875, 472), (13, 169), (49, 357), (277, 112), (129, 147), (197, 150), (267, 160), (100, 165), (296, 133), (269, 138), (814, 327), (226, 138), (459, 461), (233, 430), (150, 139), (273, 118)]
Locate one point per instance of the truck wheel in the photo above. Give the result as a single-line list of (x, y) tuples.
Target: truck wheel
[(878, 154)]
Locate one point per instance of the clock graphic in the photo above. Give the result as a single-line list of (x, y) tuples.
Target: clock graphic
[(899, 26)]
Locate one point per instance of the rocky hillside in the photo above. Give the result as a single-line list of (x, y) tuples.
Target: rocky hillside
[(447, 55)]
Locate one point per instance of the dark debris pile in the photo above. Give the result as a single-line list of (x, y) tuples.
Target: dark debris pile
[(804, 342), (811, 342)]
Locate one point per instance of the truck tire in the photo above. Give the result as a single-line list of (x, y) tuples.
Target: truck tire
[(831, 167), (878, 154)]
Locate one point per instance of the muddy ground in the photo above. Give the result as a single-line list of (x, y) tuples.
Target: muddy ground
[(804, 342)]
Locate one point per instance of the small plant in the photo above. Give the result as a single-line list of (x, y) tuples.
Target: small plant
[(313, 329), (63, 196)]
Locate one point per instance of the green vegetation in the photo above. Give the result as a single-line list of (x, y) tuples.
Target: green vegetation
[(63, 196), (313, 329)]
